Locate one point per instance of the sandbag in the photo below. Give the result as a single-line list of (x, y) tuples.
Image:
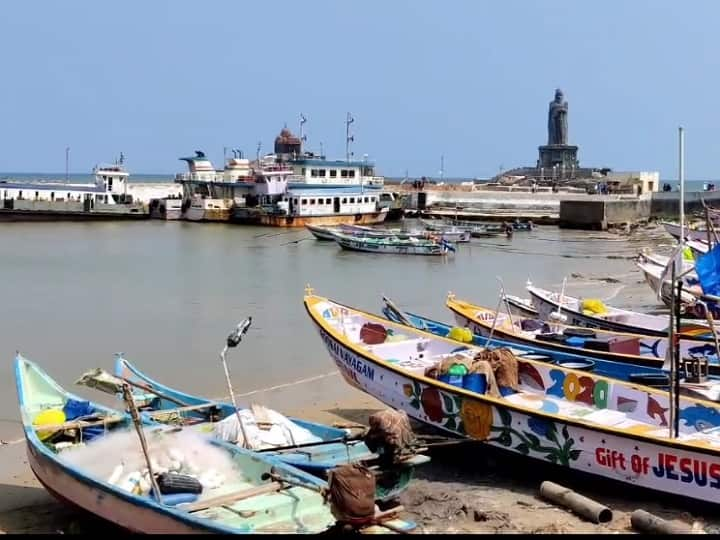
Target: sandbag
[(390, 434), (351, 492), (373, 334)]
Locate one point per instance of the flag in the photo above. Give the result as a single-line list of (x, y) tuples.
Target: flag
[(707, 268)]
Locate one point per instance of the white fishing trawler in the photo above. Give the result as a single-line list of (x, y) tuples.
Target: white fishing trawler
[(107, 197)]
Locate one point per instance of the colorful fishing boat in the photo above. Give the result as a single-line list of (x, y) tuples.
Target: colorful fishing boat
[(393, 245), (312, 447), (574, 419), (521, 306), (60, 456), (549, 304), (636, 350)]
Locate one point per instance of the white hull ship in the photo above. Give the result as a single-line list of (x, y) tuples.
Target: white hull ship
[(107, 198)]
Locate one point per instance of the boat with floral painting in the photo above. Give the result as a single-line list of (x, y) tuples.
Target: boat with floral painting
[(567, 417)]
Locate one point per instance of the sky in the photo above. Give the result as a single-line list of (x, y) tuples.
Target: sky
[(467, 80)]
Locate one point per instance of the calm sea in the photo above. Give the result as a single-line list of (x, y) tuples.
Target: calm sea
[(168, 293), (690, 185)]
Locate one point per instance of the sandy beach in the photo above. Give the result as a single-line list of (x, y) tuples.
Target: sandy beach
[(465, 488)]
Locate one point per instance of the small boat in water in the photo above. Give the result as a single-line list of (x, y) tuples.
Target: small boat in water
[(393, 245), (544, 412), (592, 313), (309, 446), (79, 460), (323, 233)]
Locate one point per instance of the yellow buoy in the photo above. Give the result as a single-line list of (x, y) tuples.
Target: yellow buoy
[(461, 334), (49, 417)]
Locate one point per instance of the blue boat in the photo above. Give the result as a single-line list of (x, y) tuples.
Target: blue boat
[(333, 446), (245, 502), (646, 375)]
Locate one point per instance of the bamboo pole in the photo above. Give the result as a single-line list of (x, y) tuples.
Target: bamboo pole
[(127, 394), (587, 508)]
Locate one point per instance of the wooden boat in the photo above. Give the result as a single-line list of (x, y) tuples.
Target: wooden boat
[(641, 369), (574, 419), (661, 286), (369, 232), (521, 306), (244, 503), (635, 349), (323, 233), (411, 246), (614, 319), (331, 446), (692, 233)]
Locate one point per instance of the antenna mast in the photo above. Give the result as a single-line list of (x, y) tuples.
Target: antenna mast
[(348, 138)]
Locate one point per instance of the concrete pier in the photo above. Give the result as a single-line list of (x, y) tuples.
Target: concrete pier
[(601, 214)]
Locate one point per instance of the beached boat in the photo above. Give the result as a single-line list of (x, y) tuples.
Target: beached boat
[(411, 246), (323, 233), (608, 318), (662, 286), (636, 349), (641, 369), (309, 446), (78, 463), (521, 306), (571, 418), (691, 233)]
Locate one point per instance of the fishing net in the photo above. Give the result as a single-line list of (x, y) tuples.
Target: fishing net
[(351, 492), (504, 366), (390, 434), (485, 368)]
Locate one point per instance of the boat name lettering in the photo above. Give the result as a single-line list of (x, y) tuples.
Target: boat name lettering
[(350, 359), (686, 470)]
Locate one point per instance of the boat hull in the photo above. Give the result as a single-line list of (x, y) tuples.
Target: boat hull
[(673, 229), (357, 244), (107, 505), (281, 220), (527, 426)]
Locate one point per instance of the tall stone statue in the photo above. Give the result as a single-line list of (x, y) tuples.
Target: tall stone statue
[(557, 120)]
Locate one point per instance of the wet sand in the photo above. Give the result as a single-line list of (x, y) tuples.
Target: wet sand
[(463, 488)]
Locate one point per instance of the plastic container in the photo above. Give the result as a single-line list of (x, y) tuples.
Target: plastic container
[(505, 390), (176, 498), (455, 380), (475, 382), (575, 341)]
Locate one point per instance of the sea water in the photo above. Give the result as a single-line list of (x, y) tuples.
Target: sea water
[(167, 294)]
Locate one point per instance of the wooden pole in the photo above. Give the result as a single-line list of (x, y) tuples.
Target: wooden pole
[(587, 508), (127, 394)]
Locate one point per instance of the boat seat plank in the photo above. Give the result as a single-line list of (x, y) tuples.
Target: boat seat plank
[(228, 498), (188, 408)]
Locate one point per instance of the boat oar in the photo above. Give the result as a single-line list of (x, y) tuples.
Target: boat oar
[(298, 483), (232, 341), (356, 439)]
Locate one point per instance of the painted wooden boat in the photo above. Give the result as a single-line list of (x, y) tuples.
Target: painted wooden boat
[(637, 351), (653, 275), (615, 319), (332, 449), (296, 509), (322, 233), (395, 246), (673, 229), (641, 370), (570, 418), (369, 232)]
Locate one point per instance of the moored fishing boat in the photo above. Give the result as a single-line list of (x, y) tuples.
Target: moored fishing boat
[(570, 418), (309, 446), (392, 245), (244, 501), (323, 233), (577, 312), (370, 232)]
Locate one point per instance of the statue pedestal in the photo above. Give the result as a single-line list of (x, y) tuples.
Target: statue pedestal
[(562, 157)]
